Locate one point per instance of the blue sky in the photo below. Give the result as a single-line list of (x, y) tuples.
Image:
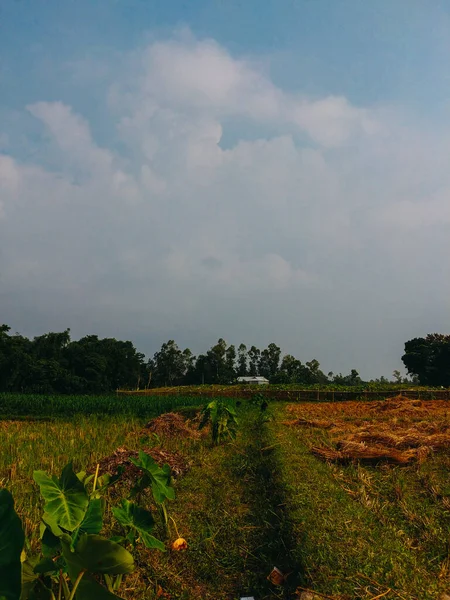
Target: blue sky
[(259, 171), (370, 51)]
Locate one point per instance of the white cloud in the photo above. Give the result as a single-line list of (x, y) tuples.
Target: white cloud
[(270, 237), (202, 78)]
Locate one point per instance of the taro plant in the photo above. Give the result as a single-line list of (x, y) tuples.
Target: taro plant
[(222, 417), (76, 562), (158, 479), (11, 543)]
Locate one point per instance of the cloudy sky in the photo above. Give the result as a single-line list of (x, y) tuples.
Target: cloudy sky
[(258, 171)]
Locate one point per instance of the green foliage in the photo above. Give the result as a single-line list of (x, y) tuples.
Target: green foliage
[(37, 405), (429, 359), (71, 544), (222, 417), (140, 522), (52, 363), (66, 498), (11, 544), (96, 554), (158, 478)]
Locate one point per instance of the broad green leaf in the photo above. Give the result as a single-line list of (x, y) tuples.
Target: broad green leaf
[(35, 586), (66, 498), (45, 565), (92, 522), (159, 477), (136, 518), (96, 554), (50, 543), (12, 539), (51, 523), (88, 588), (93, 519)]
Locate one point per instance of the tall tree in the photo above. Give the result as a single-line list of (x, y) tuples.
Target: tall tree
[(216, 357), (253, 357), (429, 359), (230, 364), (170, 364), (242, 369), (269, 361)]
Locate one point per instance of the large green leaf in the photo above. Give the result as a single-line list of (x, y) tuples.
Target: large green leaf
[(159, 477), (12, 539), (96, 554), (93, 520), (50, 543), (133, 516), (88, 588), (66, 497), (51, 523), (33, 580)]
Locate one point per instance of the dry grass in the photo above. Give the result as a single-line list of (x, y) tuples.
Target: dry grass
[(369, 454), (397, 430), (172, 425), (120, 460)]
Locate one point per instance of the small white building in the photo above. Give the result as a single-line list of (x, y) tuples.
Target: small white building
[(253, 380)]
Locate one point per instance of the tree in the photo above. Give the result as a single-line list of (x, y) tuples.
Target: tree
[(242, 369), (230, 364), (269, 361), (216, 358), (397, 376), (352, 379), (169, 364), (429, 359), (315, 375), (253, 356), (290, 370)]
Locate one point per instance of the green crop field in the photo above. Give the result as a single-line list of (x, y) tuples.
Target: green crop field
[(350, 500), (46, 406)]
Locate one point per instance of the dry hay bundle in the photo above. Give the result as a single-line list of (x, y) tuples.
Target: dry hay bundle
[(431, 428), (438, 441), (350, 451), (121, 458), (171, 425), (400, 438), (397, 404)]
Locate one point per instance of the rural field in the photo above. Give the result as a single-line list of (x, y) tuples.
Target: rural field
[(347, 499)]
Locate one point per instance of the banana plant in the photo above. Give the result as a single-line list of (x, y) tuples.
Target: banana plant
[(222, 418)]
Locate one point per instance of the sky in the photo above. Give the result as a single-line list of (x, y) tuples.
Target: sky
[(271, 171)]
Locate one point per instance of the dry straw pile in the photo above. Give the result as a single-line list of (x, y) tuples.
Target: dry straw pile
[(398, 430)]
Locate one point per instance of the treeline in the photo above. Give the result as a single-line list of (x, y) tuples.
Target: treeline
[(223, 364), (53, 363)]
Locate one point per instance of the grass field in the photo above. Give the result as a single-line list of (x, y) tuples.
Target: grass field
[(44, 406), (287, 492)]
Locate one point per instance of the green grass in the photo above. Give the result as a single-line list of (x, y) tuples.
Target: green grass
[(224, 507), (260, 501), (363, 530), (45, 406)]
